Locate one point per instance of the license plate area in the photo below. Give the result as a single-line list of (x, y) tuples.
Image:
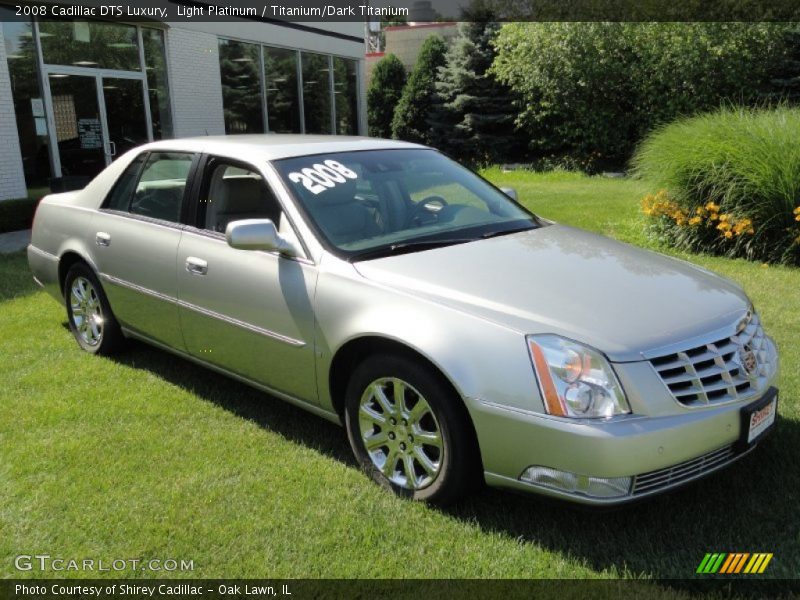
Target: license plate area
[(758, 419)]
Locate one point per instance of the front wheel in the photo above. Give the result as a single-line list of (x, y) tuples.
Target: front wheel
[(90, 318), (410, 432)]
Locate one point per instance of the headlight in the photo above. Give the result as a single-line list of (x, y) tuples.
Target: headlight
[(575, 381)]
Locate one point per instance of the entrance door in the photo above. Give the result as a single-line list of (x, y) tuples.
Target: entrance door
[(79, 143), (95, 118), (125, 115)]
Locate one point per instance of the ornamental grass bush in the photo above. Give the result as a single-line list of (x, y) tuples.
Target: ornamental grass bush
[(726, 182)]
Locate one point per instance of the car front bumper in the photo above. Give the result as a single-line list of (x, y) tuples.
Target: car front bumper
[(656, 453)]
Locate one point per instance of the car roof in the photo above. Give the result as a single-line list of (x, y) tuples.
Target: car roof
[(274, 146)]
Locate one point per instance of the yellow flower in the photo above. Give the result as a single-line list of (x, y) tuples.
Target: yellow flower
[(729, 234), (723, 226), (714, 216), (695, 220), (797, 210), (724, 217), (712, 207), (701, 211)]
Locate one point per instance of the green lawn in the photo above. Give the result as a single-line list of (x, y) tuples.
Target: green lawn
[(148, 456)]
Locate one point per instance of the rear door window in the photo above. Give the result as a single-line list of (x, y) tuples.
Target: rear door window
[(161, 186)]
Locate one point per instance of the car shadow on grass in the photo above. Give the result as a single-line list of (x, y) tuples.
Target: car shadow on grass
[(266, 411), (749, 507)]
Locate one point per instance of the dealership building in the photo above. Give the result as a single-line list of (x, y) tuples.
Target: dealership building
[(74, 94)]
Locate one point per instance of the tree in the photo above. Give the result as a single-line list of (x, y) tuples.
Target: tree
[(410, 120), (473, 114), (383, 95), (591, 91)]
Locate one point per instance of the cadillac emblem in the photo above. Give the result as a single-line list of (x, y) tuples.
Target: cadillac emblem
[(748, 360)]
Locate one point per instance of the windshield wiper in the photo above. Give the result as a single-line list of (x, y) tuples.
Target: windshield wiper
[(491, 234), (407, 247)]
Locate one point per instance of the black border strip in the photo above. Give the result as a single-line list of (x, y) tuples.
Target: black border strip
[(278, 22)]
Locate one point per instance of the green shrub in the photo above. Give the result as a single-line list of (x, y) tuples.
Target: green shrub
[(410, 121), (383, 94), (591, 91), (729, 181)]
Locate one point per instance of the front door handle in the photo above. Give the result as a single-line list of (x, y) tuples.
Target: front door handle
[(196, 266), (102, 238)]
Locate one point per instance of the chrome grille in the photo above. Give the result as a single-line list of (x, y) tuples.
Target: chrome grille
[(656, 480), (714, 372)]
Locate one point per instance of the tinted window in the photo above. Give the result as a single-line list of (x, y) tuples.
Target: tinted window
[(240, 70), (235, 193), (120, 196), (283, 100), (159, 192), (345, 90), (90, 44), (316, 93)]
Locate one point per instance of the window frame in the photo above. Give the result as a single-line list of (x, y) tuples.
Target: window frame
[(194, 213), (188, 189)]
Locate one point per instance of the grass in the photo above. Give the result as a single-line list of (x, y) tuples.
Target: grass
[(18, 213), (148, 456)]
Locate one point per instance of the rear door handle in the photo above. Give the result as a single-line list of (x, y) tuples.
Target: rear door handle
[(196, 266), (102, 238)]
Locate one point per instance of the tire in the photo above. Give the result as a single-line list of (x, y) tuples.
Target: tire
[(429, 452), (100, 333)]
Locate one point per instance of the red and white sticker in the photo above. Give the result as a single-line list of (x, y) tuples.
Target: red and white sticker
[(761, 420)]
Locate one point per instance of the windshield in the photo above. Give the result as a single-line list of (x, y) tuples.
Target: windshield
[(374, 202)]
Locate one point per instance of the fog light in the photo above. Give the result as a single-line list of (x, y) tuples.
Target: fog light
[(564, 481)]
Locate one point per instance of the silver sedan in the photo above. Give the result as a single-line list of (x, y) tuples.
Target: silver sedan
[(459, 338)]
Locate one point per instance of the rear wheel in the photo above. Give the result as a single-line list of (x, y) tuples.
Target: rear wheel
[(90, 318), (410, 432)]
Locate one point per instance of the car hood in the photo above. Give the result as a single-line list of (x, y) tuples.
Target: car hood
[(615, 297)]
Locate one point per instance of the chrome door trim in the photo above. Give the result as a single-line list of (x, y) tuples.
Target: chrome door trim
[(304, 404), (203, 311)]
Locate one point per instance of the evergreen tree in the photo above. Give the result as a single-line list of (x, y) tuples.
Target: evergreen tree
[(786, 83), (385, 88), (473, 115), (410, 121)]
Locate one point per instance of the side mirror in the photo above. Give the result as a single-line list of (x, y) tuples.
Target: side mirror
[(258, 234), (510, 192)]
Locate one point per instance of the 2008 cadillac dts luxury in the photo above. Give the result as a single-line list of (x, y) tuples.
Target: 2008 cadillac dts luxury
[(458, 337)]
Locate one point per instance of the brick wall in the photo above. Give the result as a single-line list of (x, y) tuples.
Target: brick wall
[(195, 83), (12, 177)]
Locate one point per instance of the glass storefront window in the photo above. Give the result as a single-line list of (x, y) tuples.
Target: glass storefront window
[(316, 93), (283, 99), (240, 68), (345, 93), (27, 98), (90, 44), (155, 64)]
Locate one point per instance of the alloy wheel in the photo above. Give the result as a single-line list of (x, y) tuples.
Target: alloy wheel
[(400, 433)]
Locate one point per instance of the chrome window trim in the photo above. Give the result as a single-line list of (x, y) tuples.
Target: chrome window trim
[(203, 311), (220, 237), (143, 218)]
